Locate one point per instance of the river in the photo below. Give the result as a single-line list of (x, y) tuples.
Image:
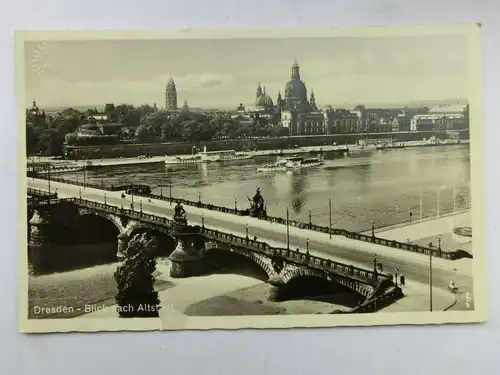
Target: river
[(379, 186)]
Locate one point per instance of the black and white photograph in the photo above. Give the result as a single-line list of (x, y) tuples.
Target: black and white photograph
[(259, 178)]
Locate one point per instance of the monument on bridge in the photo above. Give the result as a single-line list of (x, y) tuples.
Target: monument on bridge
[(257, 205), (186, 258)]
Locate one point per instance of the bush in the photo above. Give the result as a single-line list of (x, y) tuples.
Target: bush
[(136, 296)]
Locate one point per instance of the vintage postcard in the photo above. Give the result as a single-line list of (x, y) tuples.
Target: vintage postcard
[(225, 179)]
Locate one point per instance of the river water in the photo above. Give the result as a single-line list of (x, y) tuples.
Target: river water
[(379, 186)]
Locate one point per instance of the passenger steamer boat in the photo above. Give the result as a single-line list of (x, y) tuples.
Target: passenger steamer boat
[(208, 157), (298, 162), (291, 163)]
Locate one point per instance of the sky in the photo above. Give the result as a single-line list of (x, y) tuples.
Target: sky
[(221, 73)]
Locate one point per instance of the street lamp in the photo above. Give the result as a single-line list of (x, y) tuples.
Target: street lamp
[(310, 221), (161, 191), (246, 231), (199, 197), (439, 242), (170, 189), (410, 216), (236, 205), (80, 192), (430, 279), (330, 215), (307, 245), (48, 175), (373, 228), (375, 264), (140, 206), (203, 220), (105, 198), (287, 230)]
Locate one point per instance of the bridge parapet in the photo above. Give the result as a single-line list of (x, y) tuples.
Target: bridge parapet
[(293, 256)]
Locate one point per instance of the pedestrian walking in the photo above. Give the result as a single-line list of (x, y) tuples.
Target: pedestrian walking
[(402, 280), (396, 276)]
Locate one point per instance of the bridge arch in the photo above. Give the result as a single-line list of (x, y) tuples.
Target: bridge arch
[(310, 283), (112, 218), (217, 257), (166, 241)]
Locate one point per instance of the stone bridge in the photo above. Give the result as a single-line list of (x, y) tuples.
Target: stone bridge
[(193, 245)]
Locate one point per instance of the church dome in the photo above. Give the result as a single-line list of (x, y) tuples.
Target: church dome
[(296, 91), (264, 101)]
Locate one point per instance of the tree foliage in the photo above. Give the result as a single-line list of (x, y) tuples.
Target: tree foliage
[(143, 123), (136, 296)]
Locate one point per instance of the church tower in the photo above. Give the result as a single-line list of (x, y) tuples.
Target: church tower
[(170, 95), (259, 92), (312, 101), (279, 101)]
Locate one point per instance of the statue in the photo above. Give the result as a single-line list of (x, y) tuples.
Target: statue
[(180, 215), (257, 206)]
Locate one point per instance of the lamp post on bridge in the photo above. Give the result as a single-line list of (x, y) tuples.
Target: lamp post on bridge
[(236, 204), (170, 189), (330, 216), (140, 206), (161, 191), (439, 243), (199, 197), (246, 231), (373, 228), (307, 245), (47, 165), (410, 216), (375, 264), (310, 219), (105, 203), (287, 230), (80, 192), (203, 220)]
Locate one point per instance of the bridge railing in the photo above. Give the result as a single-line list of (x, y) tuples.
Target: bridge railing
[(452, 255), (294, 256)]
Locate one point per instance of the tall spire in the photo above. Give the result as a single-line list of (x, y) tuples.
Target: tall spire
[(259, 91)]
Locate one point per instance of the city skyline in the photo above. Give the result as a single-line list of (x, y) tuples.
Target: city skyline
[(221, 73)]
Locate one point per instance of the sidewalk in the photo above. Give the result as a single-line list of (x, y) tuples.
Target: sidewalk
[(417, 298), (427, 228), (194, 217)]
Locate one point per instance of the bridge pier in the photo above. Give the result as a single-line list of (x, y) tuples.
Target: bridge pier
[(123, 240), (186, 258), (277, 289), (41, 238)]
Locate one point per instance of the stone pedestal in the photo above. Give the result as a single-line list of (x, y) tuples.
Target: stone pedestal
[(123, 240), (186, 258), (277, 289)]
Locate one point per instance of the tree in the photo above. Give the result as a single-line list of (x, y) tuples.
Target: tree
[(142, 133), (136, 297)]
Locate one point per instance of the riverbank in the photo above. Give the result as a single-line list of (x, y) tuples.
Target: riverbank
[(182, 148), (72, 291)]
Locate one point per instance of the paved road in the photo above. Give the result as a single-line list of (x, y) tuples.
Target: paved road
[(413, 269)]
